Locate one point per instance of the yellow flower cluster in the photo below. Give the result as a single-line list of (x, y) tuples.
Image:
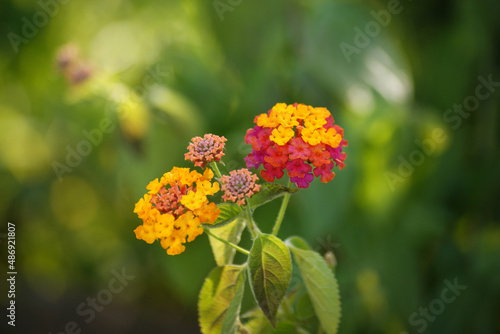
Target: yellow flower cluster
[(174, 208), (310, 124)]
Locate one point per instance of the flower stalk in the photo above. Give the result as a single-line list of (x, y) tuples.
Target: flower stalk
[(281, 213), (254, 230), (215, 236), (216, 169)]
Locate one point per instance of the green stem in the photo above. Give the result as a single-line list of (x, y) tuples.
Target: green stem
[(254, 230), (216, 169), (281, 213), (238, 248)]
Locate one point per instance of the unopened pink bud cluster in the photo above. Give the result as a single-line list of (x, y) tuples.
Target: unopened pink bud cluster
[(202, 151), (238, 185)]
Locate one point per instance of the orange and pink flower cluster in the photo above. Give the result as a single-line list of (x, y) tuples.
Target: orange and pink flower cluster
[(175, 207), (298, 139)]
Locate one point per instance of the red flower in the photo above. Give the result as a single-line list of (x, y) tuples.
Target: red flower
[(319, 156), (296, 138), (325, 172), (277, 156), (297, 167), (299, 149), (269, 173)]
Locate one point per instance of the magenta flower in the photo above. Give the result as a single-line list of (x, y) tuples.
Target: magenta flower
[(295, 138), (303, 182)]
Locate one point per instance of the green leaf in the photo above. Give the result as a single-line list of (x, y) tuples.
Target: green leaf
[(297, 242), (292, 294), (223, 253), (304, 307), (220, 300), (285, 327), (257, 322), (268, 192), (320, 282), (228, 213), (231, 319), (270, 268)]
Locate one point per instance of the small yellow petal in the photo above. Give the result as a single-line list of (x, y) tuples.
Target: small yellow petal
[(282, 135)]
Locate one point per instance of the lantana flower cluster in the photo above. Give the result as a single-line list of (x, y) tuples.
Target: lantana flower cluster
[(202, 151), (238, 185), (298, 139), (175, 207)]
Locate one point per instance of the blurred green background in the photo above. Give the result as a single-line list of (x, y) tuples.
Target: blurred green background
[(403, 218)]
